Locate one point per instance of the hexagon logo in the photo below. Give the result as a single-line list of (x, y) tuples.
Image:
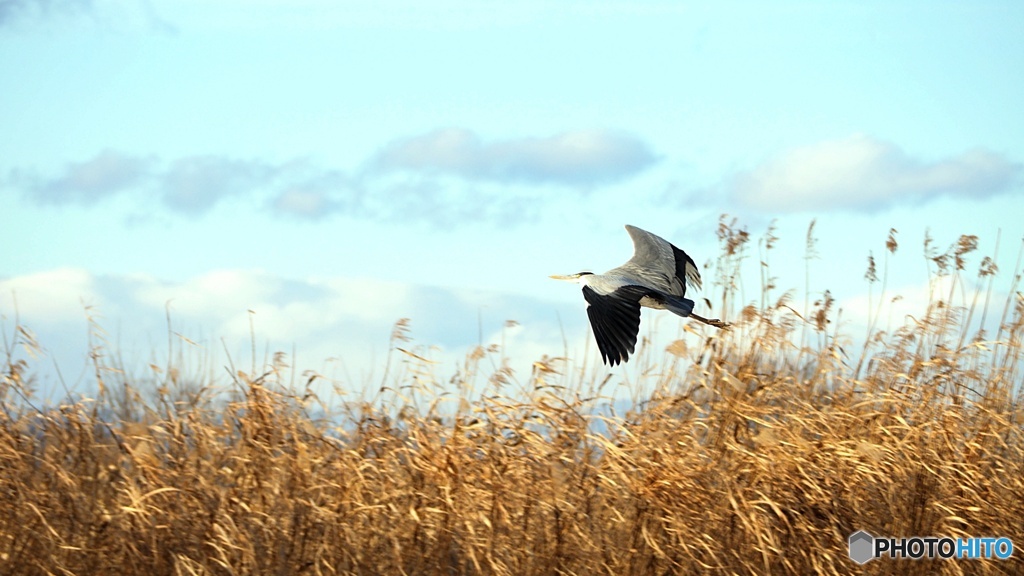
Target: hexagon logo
[(862, 547)]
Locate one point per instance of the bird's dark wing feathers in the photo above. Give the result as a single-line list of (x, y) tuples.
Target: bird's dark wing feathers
[(686, 270), (615, 319)]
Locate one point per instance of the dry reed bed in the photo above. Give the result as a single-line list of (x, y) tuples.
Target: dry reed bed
[(755, 455)]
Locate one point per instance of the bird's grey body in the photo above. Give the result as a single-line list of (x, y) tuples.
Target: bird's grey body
[(655, 277)]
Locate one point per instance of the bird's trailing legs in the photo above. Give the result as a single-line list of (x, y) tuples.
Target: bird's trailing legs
[(710, 322)]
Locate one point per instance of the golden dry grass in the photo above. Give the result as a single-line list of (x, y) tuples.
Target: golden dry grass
[(759, 450)]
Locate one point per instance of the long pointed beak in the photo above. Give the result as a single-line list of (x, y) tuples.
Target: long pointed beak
[(565, 278)]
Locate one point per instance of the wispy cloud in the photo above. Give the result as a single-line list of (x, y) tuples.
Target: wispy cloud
[(124, 15), (313, 194), (195, 184), (11, 9), (442, 178), (864, 173), (584, 157), (189, 185), (444, 203), (105, 175)]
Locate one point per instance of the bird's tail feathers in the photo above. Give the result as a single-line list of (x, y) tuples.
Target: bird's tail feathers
[(681, 306)]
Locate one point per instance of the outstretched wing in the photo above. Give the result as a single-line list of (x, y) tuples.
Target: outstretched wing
[(686, 270), (657, 258), (651, 254), (615, 319)]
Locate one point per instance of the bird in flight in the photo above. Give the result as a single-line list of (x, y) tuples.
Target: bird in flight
[(655, 277)]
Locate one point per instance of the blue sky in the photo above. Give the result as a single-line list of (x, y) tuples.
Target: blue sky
[(335, 166)]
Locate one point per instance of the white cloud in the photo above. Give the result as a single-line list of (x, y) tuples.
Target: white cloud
[(907, 304), (445, 178), (53, 296), (582, 157), (190, 184), (194, 184), (864, 173), (342, 317), (12, 9), (304, 203), (108, 173), (124, 15)]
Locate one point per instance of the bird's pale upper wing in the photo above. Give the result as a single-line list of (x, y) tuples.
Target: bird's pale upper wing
[(615, 319), (651, 252), (661, 259)]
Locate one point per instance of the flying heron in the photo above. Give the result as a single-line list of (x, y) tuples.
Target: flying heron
[(656, 277)]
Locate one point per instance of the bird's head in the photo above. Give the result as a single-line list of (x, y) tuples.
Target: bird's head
[(571, 277)]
